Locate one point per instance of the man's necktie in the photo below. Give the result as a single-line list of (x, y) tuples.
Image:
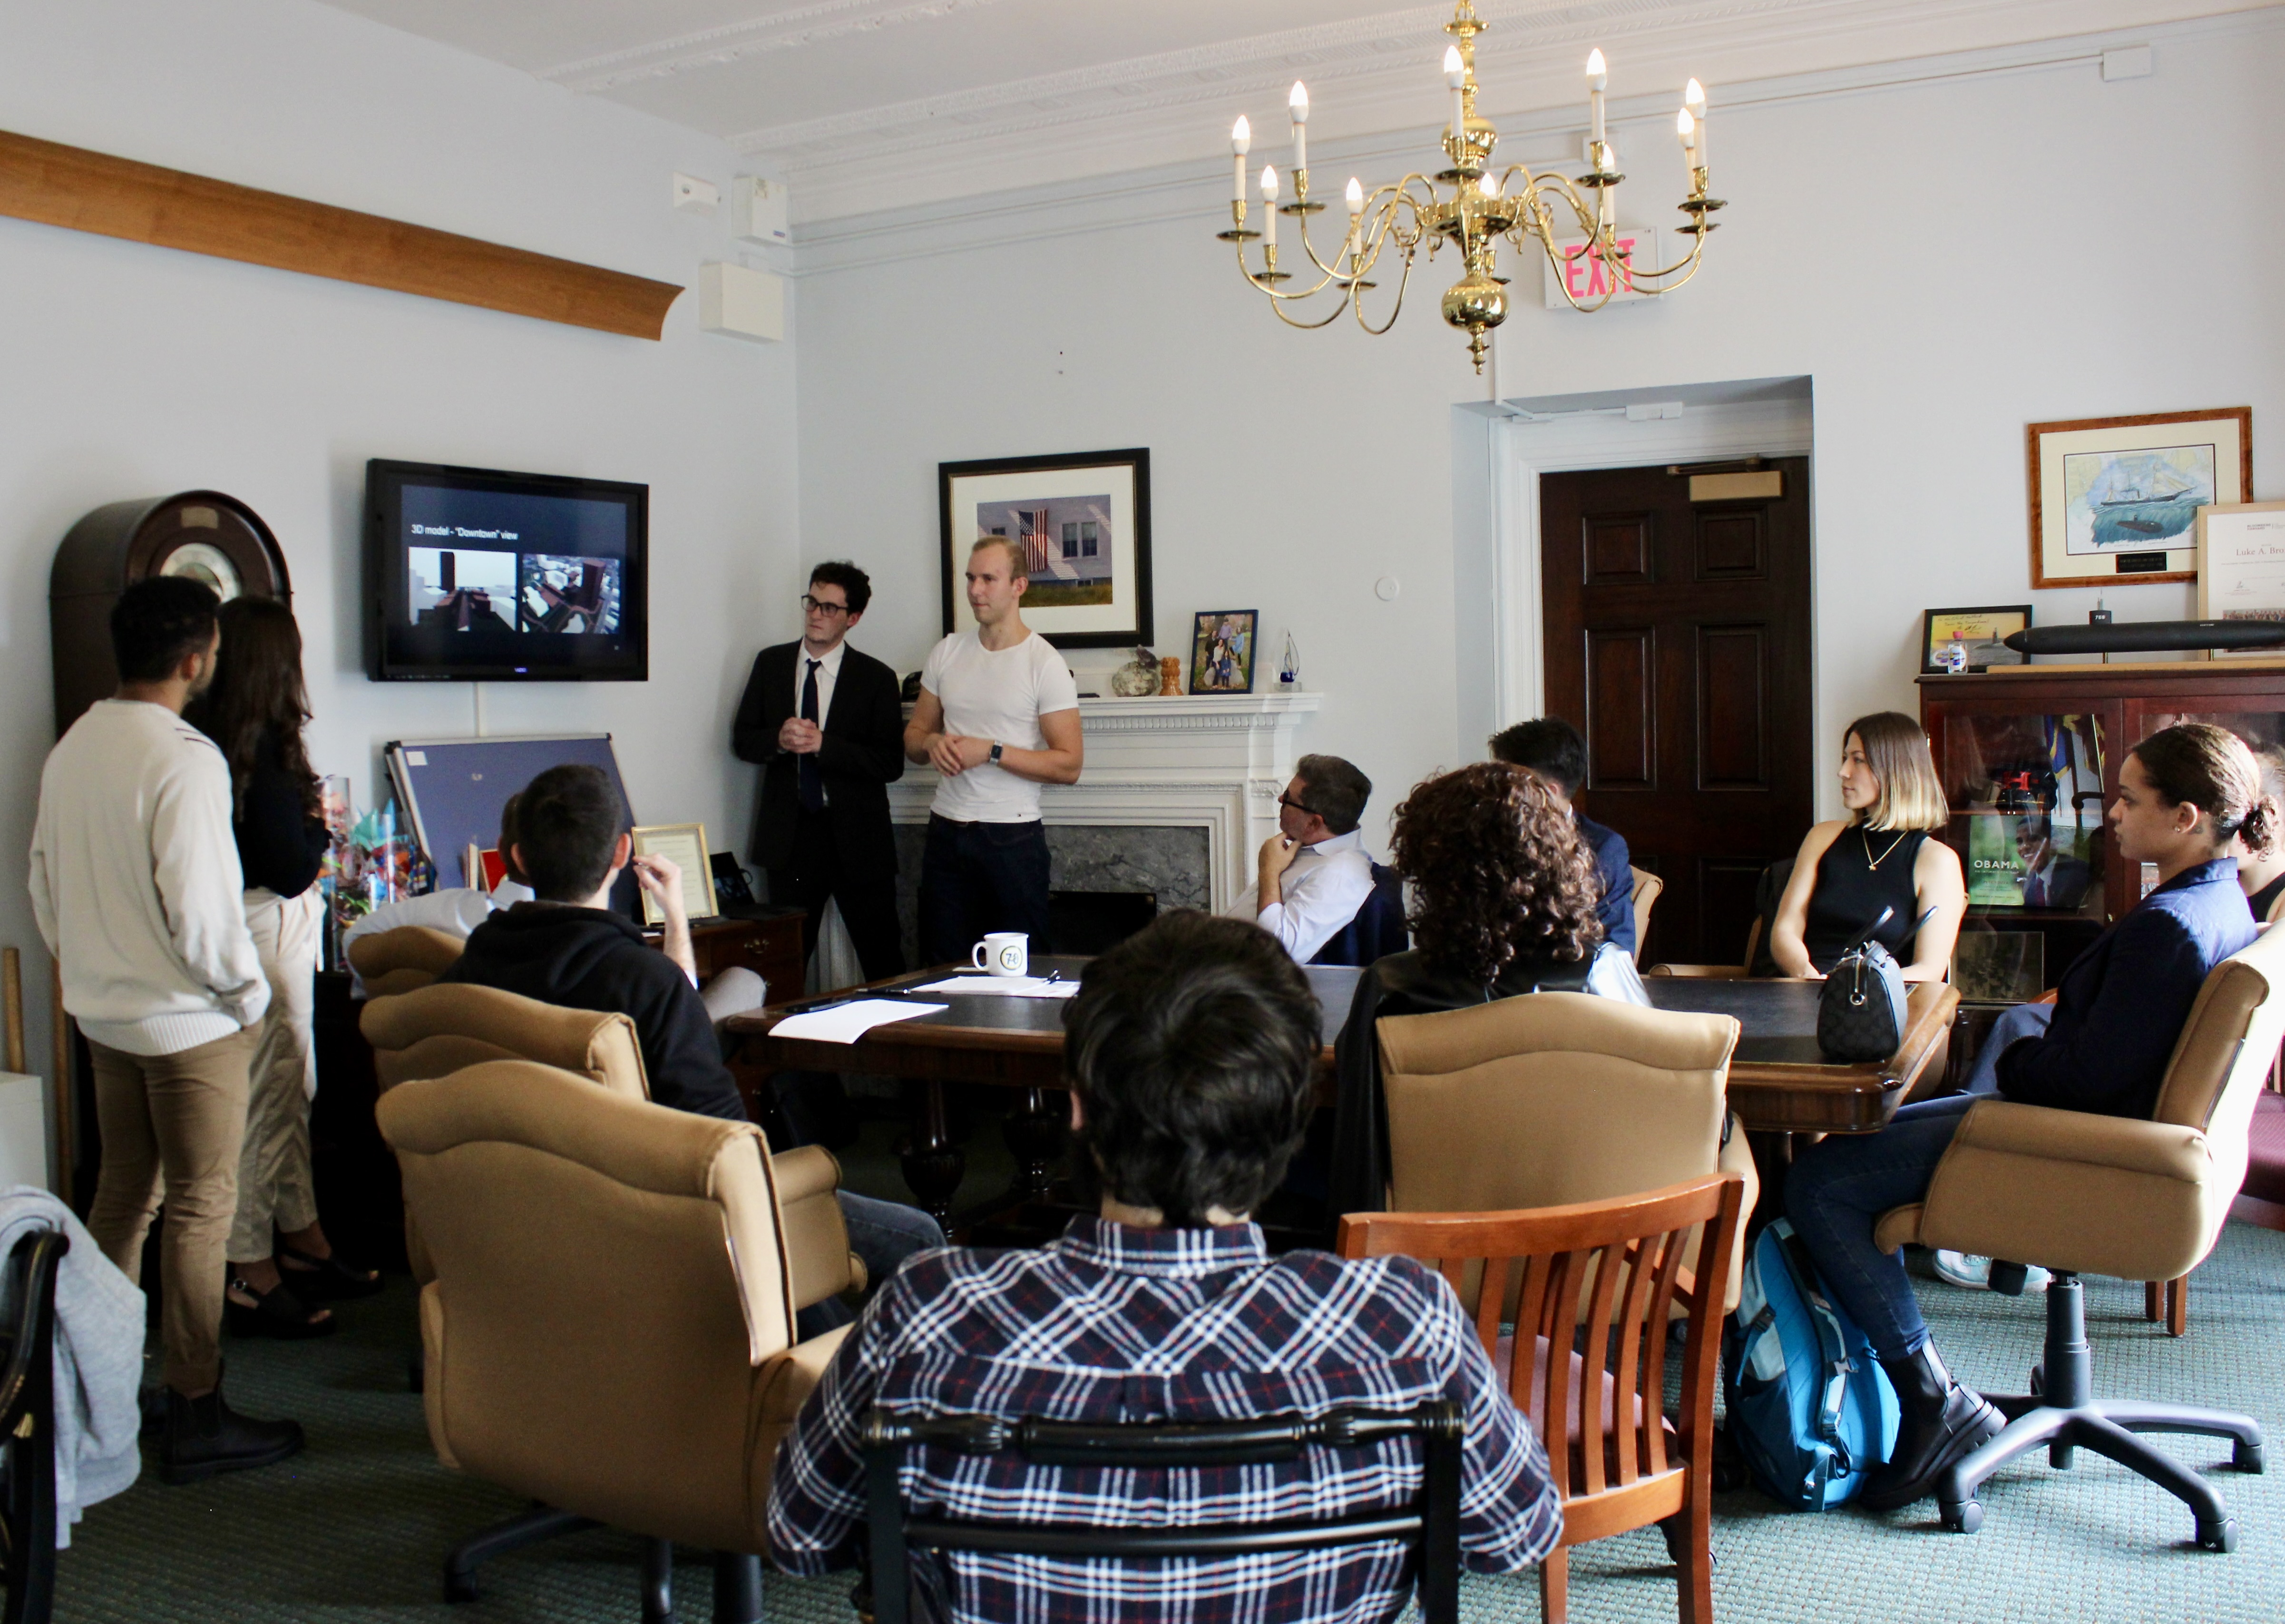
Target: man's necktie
[(813, 782)]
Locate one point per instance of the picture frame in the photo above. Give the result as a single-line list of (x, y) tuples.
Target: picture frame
[(2113, 499), (1084, 520), (685, 845), (2242, 568), (1225, 647), (1980, 628)]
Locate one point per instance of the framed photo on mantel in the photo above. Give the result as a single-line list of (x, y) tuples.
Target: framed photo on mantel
[(1083, 520), (2114, 498)]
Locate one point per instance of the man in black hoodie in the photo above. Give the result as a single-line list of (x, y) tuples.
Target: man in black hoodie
[(570, 948), (567, 947)]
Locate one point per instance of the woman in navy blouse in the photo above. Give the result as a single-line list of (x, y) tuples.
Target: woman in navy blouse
[(2184, 796)]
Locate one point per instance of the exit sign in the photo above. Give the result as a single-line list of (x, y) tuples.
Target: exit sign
[(1590, 279)]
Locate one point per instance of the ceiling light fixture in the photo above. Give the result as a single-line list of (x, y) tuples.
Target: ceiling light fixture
[(1485, 208)]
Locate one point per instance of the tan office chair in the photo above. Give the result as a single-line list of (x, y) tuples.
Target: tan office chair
[(1627, 1466), (631, 1360), (1553, 1098), (398, 960), (1647, 888), (435, 1031), (2138, 1200)]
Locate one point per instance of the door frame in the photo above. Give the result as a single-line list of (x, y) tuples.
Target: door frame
[(1526, 445)]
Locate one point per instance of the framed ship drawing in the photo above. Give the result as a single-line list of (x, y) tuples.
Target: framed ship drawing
[(2114, 499)]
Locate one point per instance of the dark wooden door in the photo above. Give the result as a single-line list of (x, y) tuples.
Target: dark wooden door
[(1678, 638)]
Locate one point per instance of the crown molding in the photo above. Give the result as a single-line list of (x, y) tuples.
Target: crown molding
[(795, 29), (1369, 80), (926, 214)]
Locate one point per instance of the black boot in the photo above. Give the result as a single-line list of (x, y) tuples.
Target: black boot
[(1941, 1422), (201, 1437)]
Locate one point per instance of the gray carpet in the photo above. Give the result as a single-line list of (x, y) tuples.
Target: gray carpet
[(355, 1528)]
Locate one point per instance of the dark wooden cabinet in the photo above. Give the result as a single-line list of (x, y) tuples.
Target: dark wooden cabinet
[(2029, 758), (768, 944)]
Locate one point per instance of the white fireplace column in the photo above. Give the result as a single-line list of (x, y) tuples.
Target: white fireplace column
[(1211, 761)]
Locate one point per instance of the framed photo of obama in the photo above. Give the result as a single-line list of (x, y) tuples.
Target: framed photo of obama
[(1083, 519)]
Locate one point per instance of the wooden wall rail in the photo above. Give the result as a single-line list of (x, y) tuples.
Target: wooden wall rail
[(117, 197)]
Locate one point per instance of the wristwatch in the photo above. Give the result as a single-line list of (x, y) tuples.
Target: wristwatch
[(996, 748)]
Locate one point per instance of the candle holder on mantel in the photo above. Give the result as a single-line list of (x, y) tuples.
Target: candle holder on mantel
[(1485, 207)]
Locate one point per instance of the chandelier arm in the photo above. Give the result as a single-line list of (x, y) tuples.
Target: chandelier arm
[(1311, 327), (1687, 265), (1397, 310), (1270, 288)]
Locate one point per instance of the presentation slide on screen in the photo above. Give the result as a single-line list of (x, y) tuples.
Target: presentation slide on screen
[(496, 561)]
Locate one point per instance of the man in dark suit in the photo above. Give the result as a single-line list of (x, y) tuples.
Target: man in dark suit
[(828, 726), (2050, 879)]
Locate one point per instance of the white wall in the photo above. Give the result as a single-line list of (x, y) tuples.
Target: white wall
[(130, 371), (1947, 260)]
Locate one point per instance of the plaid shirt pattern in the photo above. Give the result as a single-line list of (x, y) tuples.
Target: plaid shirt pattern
[(1113, 1323)]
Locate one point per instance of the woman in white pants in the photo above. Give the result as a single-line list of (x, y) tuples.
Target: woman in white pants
[(279, 1258)]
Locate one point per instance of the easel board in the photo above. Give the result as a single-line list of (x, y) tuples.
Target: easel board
[(452, 790)]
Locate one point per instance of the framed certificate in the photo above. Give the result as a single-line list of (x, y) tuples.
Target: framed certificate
[(2242, 567), (683, 844)]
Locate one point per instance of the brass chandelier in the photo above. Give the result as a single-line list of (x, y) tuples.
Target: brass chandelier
[(1485, 208)]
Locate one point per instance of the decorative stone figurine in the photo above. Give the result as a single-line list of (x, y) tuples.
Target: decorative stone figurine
[(1170, 674), (1138, 678)]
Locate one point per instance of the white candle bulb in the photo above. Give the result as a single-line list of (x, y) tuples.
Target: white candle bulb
[(1268, 206), (1598, 77), (1693, 96), (1355, 196), (1686, 128), (1298, 103), (1241, 137), (1456, 76), (1489, 185), (1599, 73)]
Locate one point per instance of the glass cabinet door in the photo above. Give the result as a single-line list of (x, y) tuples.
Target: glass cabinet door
[(2263, 731), (2027, 792)]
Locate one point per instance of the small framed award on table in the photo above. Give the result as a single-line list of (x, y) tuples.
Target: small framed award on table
[(683, 844)]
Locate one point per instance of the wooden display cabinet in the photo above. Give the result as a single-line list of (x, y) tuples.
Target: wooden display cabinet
[(2034, 750)]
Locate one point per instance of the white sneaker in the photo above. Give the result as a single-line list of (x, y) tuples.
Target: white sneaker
[(1965, 1269)]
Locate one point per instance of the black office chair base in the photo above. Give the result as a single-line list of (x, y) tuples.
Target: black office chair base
[(2063, 1414), (737, 1575)]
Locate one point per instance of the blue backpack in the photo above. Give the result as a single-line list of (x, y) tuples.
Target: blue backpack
[(1810, 1408)]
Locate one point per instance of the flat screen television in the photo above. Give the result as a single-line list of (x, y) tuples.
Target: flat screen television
[(474, 575)]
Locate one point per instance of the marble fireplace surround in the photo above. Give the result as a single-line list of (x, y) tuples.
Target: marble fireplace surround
[(1212, 762)]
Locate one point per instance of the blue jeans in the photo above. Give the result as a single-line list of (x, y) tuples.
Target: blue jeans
[(883, 1234), (980, 877), (1836, 1192)]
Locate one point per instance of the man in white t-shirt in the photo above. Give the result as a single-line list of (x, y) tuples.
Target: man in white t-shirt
[(998, 717)]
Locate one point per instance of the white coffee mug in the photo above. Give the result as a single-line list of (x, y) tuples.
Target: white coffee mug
[(1003, 953)]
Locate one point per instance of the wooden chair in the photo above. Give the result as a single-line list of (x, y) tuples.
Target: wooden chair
[(1767, 891), (1647, 887), (1617, 1461), (27, 1431)]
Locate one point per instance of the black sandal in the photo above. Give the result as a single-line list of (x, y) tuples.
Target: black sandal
[(327, 1278), (275, 1313)]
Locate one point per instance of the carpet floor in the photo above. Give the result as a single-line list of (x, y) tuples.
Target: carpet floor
[(356, 1527)]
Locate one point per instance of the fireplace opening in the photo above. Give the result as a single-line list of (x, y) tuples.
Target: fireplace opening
[(1089, 923)]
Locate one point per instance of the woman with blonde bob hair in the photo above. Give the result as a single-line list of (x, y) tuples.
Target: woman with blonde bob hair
[(1878, 857)]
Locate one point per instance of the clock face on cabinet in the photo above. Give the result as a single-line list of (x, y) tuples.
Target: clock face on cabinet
[(206, 564)]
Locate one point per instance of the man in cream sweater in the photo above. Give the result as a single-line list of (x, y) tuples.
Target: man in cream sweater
[(135, 883)]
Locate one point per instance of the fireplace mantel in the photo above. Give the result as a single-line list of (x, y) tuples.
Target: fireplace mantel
[(1211, 761)]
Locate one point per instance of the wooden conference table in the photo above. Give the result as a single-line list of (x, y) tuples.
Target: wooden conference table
[(1779, 1084)]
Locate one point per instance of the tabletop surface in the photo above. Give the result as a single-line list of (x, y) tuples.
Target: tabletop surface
[(1778, 1017)]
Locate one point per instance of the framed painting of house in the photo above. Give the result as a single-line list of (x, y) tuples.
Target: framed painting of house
[(2114, 498), (1083, 521)]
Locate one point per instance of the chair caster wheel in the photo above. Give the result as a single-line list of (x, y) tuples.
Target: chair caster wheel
[(1964, 1518), (459, 1587), (2217, 1536), (2249, 1457)]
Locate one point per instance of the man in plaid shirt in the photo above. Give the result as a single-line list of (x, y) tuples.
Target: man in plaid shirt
[(1191, 1048)]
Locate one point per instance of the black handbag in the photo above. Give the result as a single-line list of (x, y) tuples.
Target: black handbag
[(1860, 1014)]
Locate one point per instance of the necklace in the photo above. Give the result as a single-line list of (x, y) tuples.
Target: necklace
[(1872, 862)]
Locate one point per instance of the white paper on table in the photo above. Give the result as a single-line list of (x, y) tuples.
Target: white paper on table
[(847, 1022), (1003, 986)]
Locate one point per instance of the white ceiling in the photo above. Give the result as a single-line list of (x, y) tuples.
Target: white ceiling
[(867, 104)]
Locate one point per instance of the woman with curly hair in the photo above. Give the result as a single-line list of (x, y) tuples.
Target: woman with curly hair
[(1503, 895)]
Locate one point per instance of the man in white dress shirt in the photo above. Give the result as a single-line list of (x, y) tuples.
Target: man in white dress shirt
[(1313, 874)]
